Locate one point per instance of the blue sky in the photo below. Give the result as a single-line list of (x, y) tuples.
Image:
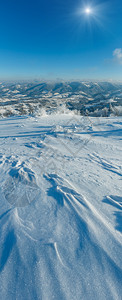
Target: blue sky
[(57, 39)]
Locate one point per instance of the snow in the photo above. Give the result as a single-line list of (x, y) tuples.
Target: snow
[(60, 207)]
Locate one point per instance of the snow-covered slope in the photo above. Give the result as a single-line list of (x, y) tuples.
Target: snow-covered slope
[(60, 208)]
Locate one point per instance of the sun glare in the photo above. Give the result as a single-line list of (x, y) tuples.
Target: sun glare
[(92, 15), (88, 10)]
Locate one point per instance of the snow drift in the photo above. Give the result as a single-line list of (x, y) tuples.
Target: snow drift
[(60, 208)]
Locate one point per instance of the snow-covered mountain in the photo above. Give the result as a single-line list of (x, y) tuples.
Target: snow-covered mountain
[(61, 191), (86, 98)]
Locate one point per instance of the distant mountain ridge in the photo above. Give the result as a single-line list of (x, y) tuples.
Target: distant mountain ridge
[(87, 98)]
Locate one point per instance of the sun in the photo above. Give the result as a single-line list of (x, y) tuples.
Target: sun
[(88, 10)]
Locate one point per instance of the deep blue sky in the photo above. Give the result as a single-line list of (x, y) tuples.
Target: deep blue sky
[(56, 39)]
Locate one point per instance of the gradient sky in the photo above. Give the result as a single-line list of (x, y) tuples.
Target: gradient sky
[(56, 39)]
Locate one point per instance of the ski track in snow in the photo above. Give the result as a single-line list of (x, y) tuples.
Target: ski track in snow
[(61, 210)]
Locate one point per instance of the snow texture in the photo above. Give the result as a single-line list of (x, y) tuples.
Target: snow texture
[(60, 208)]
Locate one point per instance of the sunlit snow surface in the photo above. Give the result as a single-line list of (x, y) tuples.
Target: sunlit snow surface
[(60, 207)]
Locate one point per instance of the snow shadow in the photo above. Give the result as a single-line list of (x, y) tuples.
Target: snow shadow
[(107, 133), (5, 251), (116, 201)]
